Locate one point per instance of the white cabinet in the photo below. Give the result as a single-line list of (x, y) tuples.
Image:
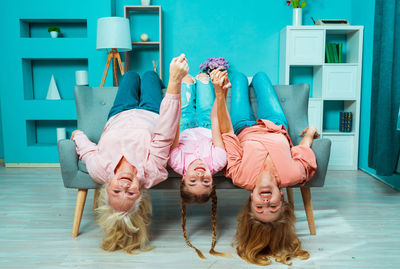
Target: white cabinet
[(315, 113), (342, 152), (306, 47), (339, 81), (335, 87)]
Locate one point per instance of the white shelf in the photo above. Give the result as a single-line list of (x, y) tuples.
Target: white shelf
[(336, 87), (336, 132), (146, 43)]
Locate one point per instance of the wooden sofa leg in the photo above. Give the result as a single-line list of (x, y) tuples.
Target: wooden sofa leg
[(306, 194), (80, 205), (289, 192), (95, 197)]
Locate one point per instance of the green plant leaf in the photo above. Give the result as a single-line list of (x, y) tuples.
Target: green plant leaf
[(53, 28), (303, 4)]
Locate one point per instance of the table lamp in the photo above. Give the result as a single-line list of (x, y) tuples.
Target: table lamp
[(113, 35)]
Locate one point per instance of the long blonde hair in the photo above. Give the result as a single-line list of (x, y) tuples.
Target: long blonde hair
[(128, 231), (189, 198), (256, 241)]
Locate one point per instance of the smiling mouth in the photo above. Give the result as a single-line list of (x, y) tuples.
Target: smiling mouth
[(265, 193), (200, 168), (126, 178)]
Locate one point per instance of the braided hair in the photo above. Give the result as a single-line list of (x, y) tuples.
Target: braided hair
[(189, 198)]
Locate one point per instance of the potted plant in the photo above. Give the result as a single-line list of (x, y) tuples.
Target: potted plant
[(297, 10), (54, 31), (214, 63)]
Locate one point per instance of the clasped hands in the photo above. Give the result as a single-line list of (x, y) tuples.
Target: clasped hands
[(220, 80)]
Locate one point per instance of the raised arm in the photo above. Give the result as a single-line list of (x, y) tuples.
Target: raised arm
[(216, 132), (166, 129), (176, 140), (221, 85)]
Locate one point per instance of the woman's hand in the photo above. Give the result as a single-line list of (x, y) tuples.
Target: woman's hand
[(220, 81), (73, 133), (310, 131), (178, 68)]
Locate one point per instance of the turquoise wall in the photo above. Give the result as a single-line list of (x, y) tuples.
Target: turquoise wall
[(30, 57), (244, 32)]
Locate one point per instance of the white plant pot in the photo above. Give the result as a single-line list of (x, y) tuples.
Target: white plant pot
[(297, 16), (54, 34), (145, 2), (81, 77)]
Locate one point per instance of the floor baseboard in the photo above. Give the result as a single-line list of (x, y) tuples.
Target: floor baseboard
[(32, 165)]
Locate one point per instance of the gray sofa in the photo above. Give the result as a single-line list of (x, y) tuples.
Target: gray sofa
[(94, 103)]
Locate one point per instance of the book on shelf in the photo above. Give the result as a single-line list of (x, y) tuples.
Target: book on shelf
[(340, 51), (327, 53), (333, 52), (346, 121)]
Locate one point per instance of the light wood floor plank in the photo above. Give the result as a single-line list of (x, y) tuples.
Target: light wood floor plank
[(357, 220)]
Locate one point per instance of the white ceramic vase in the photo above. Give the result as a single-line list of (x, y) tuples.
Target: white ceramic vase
[(61, 134), (81, 77), (54, 34), (297, 16), (145, 2)]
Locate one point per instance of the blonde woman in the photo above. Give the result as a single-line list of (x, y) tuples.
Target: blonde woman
[(132, 154), (262, 159)]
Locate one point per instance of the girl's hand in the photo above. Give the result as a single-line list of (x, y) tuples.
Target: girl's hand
[(311, 131), (220, 81)]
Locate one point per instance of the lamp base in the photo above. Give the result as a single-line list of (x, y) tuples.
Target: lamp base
[(115, 57)]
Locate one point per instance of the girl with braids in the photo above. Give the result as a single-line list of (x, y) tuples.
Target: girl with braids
[(198, 150), (262, 159)]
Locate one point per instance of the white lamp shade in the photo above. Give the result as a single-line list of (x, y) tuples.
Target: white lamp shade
[(113, 33)]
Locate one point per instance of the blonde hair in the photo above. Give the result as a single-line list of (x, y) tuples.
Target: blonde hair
[(256, 241), (129, 230), (189, 198)]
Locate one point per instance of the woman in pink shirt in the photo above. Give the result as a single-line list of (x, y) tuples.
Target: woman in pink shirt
[(132, 154), (262, 159), (198, 151)]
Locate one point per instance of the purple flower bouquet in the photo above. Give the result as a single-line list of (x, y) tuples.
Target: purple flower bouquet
[(214, 63)]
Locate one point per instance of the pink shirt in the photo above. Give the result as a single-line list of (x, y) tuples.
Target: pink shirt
[(144, 138), (196, 143), (248, 151)]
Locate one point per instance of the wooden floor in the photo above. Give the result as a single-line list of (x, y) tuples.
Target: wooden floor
[(357, 220)]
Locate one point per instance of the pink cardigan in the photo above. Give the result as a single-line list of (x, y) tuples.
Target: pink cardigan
[(144, 138)]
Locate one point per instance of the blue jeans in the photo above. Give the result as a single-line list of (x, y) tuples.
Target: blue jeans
[(134, 92), (268, 106), (197, 100)]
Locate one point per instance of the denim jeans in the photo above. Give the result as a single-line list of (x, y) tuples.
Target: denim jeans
[(134, 92), (197, 100), (268, 106)]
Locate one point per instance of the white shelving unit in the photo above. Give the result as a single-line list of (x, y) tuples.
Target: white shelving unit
[(336, 87)]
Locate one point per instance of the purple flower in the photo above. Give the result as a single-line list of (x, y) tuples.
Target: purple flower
[(214, 63)]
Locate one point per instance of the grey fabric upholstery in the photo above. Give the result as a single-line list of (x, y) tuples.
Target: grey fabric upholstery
[(92, 107), (294, 102), (94, 103)]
